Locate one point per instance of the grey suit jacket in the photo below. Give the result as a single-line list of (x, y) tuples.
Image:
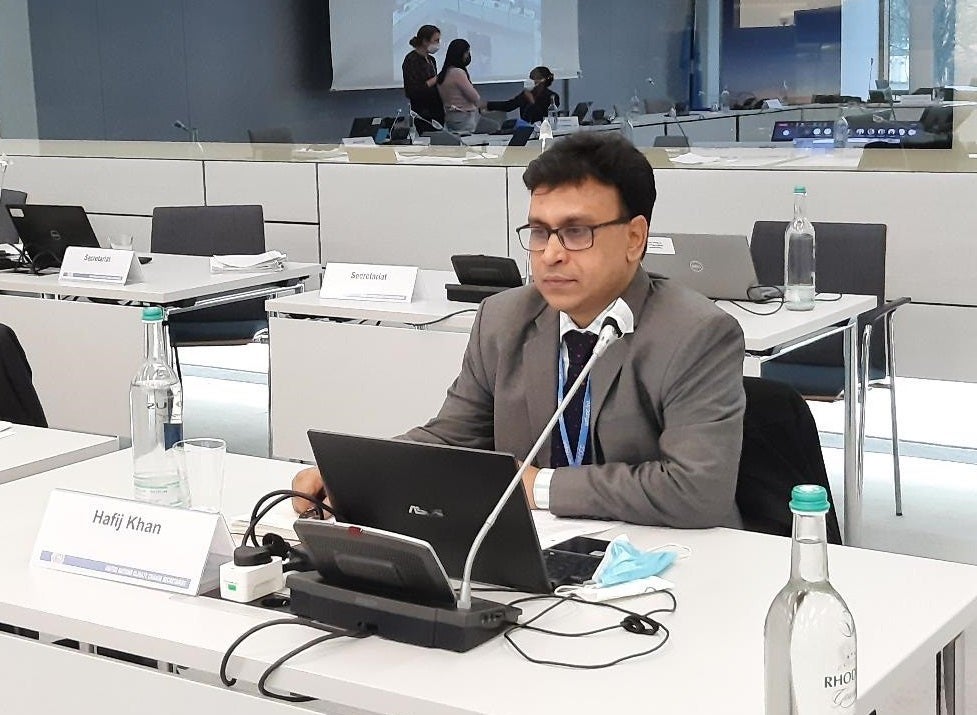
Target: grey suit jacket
[(667, 416)]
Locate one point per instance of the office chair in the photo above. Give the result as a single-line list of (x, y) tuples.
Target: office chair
[(19, 402), (671, 140), (208, 231), (8, 232), (850, 259), (781, 449), (273, 135)]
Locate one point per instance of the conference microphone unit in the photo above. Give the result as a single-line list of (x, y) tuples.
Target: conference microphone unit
[(619, 321)]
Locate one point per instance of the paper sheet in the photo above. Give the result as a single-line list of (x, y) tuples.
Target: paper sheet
[(6, 429), (692, 159)]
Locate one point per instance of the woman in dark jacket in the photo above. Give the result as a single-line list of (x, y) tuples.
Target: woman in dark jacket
[(420, 77), (531, 103)]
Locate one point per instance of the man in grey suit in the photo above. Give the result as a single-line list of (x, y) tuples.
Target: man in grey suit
[(655, 437)]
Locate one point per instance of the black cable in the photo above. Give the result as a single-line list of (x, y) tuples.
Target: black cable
[(779, 307), (443, 318), (633, 622), (838, 296), (281, 661), (318, 504), (296, 621)]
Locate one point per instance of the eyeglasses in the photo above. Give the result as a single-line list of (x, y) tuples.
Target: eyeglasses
[(573, 238)]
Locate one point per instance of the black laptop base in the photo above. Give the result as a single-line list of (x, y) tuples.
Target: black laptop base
[(452, 629)]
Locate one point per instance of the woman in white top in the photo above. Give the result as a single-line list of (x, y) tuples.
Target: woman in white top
[(460, 98)]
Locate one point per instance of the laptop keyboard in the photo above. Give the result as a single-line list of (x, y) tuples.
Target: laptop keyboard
[(565, 567)]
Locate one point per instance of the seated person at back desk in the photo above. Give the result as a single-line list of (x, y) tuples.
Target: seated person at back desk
[(532, 103), (666, 401)]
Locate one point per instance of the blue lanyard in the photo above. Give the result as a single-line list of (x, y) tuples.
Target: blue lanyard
[(574, 460)]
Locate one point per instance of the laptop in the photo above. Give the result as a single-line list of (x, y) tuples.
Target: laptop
[(376, 127), (442, 495), (718, 266), (46, 231), (580, 111), (521, 135), (8, 232)]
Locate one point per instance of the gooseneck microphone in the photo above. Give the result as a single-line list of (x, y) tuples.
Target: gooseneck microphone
[(433, 122), (619, 321), (192, 131)]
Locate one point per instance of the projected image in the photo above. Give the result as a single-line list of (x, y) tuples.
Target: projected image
[(504, 34)]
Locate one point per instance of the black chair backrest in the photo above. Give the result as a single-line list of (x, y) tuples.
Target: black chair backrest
[(8, 232), (273, 135), (671, 140), (18, 398), (781, 449), (208, 231), (850, 258)]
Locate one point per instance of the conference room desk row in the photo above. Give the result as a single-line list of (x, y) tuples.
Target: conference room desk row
[(716, 634), (26, 450), (362, 205), (85, 341), (378, 368)]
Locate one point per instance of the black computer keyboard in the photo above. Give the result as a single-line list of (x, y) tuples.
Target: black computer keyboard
[(565, 567)]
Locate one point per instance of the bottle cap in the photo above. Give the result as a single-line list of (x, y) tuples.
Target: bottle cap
[(800, 190), (152, 314), (809, 499)]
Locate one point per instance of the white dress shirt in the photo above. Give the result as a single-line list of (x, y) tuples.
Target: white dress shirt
[(541, 487)]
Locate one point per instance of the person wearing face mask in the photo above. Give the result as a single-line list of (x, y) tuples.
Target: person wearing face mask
[(534, 101), (460, 98), (421, 75)]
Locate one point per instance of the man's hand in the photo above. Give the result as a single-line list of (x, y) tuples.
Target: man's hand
[(308, 481), (528, 480)]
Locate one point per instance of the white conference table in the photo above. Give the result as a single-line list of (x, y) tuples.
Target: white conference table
[(28, 450), (84, 341), (716, 633), (381, 380)]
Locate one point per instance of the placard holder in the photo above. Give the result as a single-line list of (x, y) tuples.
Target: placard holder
[(359, 281), (99, 265), (166, 548)]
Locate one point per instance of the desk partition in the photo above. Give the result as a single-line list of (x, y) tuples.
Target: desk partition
[(419, 205)]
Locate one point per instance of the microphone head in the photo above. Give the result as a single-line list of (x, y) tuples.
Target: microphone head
[(180, 125), (620, 318)]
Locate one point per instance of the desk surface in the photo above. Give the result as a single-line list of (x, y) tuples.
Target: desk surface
[(715, 641), (168, 279), (32, 450), (762, 332)]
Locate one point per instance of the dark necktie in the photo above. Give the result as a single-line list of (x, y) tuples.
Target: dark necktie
[(580, 346)]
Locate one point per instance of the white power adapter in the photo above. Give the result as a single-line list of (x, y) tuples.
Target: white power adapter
[(247, 583)]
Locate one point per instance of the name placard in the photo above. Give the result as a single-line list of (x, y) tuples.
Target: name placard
[(660, 245), (99, 265), (357, 281), (161, 547), (359, 141)]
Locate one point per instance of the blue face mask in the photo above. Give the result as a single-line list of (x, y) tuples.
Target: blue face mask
[(624, 562)]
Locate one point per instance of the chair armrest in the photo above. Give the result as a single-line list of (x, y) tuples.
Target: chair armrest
[(883, 311)]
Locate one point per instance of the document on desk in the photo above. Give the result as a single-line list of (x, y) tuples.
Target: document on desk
[(554, 529), (691, 159), (6, 429)]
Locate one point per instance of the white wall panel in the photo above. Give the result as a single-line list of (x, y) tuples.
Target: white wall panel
[(286, 191), (108, 186), (410, 215)]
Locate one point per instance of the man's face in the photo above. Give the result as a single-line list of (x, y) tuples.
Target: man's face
[(583, 283)]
